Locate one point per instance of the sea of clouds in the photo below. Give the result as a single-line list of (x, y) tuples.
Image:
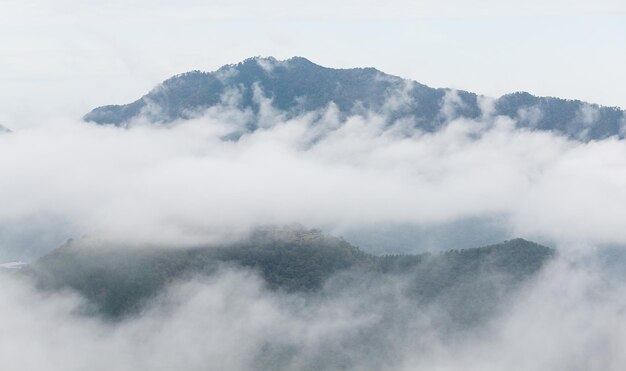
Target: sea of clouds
[(206, 178), (209, 179)]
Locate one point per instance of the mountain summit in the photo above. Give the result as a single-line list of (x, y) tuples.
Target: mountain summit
[(297, 85)]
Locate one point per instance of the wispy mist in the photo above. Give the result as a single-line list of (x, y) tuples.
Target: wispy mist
[(207, 178), (568, 318), (210, 179)]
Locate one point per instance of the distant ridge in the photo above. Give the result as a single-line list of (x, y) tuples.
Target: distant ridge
[(120, 280), (298, 85)]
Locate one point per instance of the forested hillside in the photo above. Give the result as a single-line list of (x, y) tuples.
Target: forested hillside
[(120, 281), (297, 86)]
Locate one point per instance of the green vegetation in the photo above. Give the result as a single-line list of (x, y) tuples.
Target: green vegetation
[(119, 281)]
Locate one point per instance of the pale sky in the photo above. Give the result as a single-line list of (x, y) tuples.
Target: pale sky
[(62, 58)]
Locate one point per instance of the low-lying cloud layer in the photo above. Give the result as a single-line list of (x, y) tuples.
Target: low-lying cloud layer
[(192, 182), (569, 318), (209, 178)]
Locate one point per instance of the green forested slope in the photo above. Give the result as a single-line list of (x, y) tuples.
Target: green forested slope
[(119, 281)]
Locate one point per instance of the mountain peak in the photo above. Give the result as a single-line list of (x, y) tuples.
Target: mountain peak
[(297, 85)]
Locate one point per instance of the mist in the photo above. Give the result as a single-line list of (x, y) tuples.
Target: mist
[(343, 198), (568, 318), (208, 179)]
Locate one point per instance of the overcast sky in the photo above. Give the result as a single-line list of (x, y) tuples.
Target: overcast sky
[(63, 57)]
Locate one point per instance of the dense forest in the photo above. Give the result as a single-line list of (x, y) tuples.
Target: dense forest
[(120, 281)]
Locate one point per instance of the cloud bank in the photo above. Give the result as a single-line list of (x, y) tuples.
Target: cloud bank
[(209, 178), (570, 318), (204, 179)]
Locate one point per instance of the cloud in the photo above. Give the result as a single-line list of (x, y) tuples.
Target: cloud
[(229, 321), (530, 116), (587, 114), (195, 182), (451, 104), (192, 182), (571, 316)]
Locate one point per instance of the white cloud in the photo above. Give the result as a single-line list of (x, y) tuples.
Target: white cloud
[(570, 316), (530, 116), (587, 114), (191, 182)]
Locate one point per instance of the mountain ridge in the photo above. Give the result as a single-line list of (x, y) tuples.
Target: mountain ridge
[(120, 281), (297, 86)]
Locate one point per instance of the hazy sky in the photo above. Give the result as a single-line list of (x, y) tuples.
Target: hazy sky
[(61, 58)]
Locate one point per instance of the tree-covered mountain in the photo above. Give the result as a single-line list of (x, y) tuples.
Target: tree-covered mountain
[(297, 85), (119, 281)]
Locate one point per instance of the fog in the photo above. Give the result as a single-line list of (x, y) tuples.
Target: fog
[(568, 318), (207, 179)]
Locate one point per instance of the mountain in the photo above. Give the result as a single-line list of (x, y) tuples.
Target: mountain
[(4, 130), (120, 281), (297, 86)]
